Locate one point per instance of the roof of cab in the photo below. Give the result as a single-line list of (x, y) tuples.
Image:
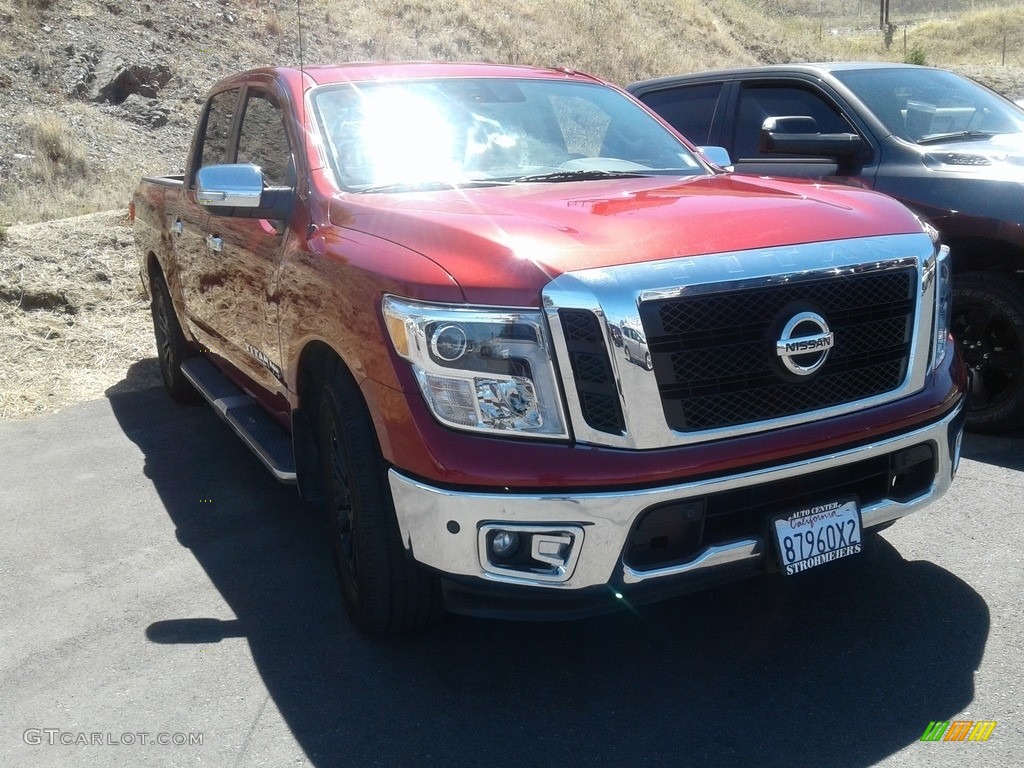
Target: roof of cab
[(325, 74), (322, 74), (808, 68)]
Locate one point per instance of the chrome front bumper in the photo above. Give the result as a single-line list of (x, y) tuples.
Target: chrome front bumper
[(445, 529)]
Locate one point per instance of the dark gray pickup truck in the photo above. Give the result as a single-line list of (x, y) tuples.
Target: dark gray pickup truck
[(950, 149)]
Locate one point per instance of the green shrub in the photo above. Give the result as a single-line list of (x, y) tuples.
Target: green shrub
[(915, 56)]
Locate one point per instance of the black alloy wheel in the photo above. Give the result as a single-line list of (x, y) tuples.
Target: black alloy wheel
[(340, 513), (988, 325), (384, 590), (171, 346)]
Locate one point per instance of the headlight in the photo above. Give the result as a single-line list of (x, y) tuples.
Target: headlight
[(481, 369), (943, 305)]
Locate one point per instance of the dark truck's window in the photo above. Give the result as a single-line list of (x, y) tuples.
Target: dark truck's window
[(219, 118), (263, 140), (756, 103), (915, 103), (690, 109)]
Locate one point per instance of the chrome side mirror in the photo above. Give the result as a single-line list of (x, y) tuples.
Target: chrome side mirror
[(229, 186), (717, 155)]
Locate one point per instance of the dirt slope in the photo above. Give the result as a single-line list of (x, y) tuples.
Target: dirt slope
[(72, 317)]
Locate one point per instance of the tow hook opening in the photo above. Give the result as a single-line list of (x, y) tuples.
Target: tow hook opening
[(530, 552), (911, 472)]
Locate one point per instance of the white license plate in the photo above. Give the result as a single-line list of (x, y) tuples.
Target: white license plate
[(817, 535)]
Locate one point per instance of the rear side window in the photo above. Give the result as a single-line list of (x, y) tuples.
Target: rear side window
[(220, 116), (690, 109), (757, 103)]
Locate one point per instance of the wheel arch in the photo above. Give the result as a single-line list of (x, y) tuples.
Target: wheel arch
[(309, 373), (153, 265), (985, 254), (316, 360), (988, 324)]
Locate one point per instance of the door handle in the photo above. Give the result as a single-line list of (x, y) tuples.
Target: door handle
[(214, 243), (178, 227)]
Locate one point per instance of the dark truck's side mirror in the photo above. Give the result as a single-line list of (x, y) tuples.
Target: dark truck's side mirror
[(238, 190), (798, 135)]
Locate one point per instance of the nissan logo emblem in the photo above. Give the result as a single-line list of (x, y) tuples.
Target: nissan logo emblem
[(805, 343)]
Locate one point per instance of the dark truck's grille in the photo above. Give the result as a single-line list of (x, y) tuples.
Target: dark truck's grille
[(591, 370), (714, 354)]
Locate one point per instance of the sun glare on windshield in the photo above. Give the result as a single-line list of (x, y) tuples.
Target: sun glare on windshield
[(383, 146), (384, 136)]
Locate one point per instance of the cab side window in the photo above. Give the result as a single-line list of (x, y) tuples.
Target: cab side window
[(263, 140), (690, 109), (220, 116), (756, 103)]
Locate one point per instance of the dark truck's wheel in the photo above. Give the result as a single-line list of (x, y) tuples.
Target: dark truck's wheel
[(988, 325), (385, 591), (171, 347)]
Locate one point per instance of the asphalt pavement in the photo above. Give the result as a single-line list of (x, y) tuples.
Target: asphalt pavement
[(164, 602)]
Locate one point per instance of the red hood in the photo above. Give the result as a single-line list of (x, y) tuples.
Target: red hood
[(503, 244)]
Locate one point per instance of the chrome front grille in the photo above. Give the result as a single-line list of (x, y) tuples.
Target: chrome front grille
[(683, 351), (713, 353)]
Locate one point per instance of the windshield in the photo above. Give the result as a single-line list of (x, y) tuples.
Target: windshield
[(472, 131), (922, 105)]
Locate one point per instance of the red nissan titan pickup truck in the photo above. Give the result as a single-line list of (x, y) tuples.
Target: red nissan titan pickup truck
[(531, 351)]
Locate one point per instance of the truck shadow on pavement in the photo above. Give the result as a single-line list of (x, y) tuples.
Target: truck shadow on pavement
[(843, 668), (999, 450)]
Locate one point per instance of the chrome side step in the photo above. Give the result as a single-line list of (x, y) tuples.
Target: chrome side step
[(263, 435)]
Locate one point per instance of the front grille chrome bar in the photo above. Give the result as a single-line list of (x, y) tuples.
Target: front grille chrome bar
[(838, 279)]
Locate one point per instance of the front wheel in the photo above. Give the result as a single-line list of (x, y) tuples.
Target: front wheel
[(385, 592), (988, 325)]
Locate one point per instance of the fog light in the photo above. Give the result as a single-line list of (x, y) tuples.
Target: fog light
[(504, 544), (535, 554)]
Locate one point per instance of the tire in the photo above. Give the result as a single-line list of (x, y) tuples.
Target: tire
[(647, 362), (171, 346), (629, 356), (385, 592), (988, 325)]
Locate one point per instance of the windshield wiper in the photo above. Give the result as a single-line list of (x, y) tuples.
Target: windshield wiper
[(430, 186), (938, 138), (582, 175)]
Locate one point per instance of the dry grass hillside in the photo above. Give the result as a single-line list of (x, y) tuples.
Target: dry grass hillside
[(95, 93), (76, 145)]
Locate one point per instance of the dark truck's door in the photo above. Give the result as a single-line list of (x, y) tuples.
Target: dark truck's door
[(730, 112)]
